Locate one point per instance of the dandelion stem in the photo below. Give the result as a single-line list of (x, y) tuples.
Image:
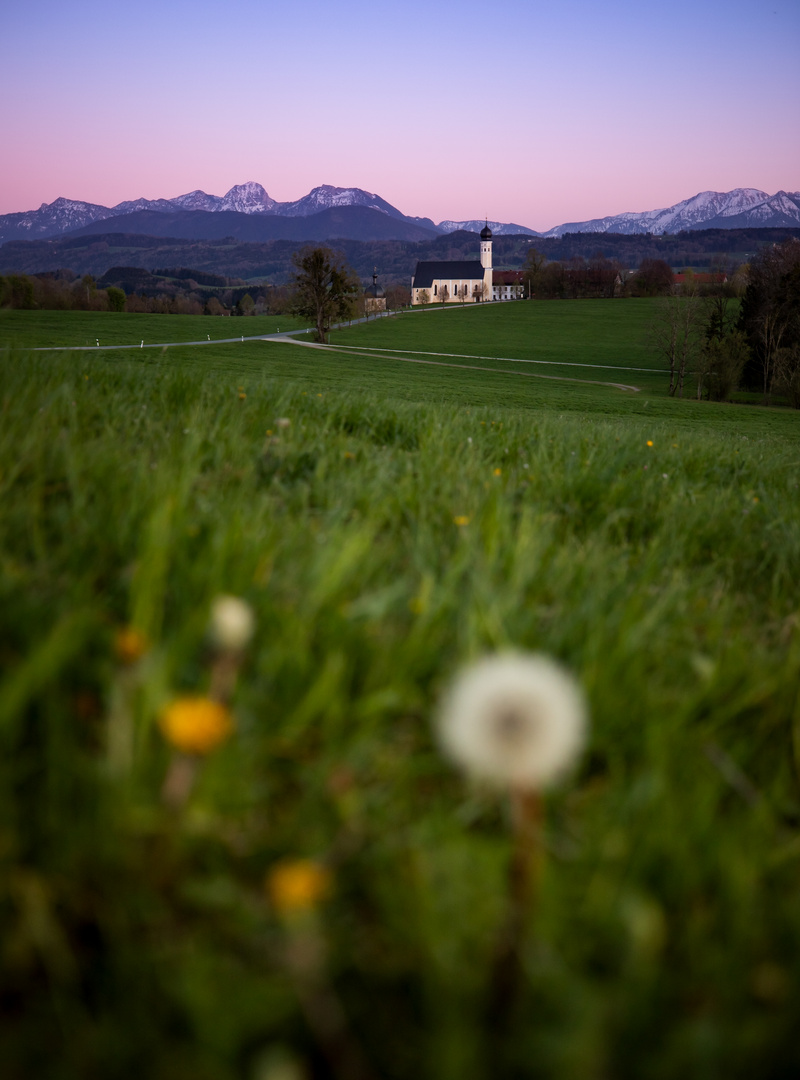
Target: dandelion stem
[(523, 882), (224, 672), (305, 961), (179, 781)]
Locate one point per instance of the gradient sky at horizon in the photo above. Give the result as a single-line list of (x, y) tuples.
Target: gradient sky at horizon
[(534, 112)]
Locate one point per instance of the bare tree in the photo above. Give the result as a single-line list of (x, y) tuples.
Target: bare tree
[(787, 373), (675, 335), (720, 365), (423, 297), (532, 270)]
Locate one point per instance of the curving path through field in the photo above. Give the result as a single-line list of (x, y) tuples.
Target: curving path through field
[(355, 351), (290, 337)]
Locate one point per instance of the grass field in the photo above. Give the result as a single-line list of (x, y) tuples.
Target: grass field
[(43, 329), (406, 520)]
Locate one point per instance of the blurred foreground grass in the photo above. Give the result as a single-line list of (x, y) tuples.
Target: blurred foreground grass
[(381, 544)]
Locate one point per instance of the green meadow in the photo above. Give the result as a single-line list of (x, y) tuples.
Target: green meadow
[(402, 520)]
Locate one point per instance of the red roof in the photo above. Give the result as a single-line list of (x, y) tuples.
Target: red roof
[(506, 277), (701, 279)]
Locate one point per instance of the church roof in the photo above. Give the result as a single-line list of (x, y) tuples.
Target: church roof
[(374, 290), (428, 272)]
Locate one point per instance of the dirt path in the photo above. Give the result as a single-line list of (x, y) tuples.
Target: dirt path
[(466, 367)]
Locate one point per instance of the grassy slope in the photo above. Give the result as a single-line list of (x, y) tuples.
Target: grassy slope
[(28, 329), (134, 490), (590, 332)]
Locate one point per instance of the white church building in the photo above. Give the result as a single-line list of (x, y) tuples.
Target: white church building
[(469, 281)]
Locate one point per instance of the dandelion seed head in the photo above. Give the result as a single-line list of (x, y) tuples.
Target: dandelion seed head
[(232, 623), (514, 720), (283, 422)]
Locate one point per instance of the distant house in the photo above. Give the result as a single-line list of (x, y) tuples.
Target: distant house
[(465, 281), (507, 285), (700, 279)]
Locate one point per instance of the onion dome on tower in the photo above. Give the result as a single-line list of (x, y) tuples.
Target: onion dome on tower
[(374, 291), (486, 232)]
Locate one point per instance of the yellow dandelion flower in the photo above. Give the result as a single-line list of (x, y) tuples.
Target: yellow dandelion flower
[(196, 725), (649, 442), (297, 885), (129, 645), (498, 472), (242, 397), (348, 455), (461, 519)]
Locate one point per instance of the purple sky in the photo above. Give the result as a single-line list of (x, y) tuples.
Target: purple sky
[(533, 112)]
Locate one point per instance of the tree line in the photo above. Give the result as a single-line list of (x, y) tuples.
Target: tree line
[(271, 261), (741, 336), (178, 291)]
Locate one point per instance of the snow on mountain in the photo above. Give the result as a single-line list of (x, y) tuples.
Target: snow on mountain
[(779, 209), (326, 197), (56, 217), (249, 198), (740, 208), (498, 228), (197, 200), (132, 205)]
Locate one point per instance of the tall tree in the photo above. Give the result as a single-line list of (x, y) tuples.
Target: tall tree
[(653, 278), (532, 270), (770, 311), (324, 287)]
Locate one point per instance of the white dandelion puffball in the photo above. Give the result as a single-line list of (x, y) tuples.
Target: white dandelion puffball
[(232, 623), (514, 720)]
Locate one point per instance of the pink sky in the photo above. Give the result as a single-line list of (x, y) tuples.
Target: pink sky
[(539, 114)]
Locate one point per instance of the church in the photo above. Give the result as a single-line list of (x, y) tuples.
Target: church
[(449, 282)]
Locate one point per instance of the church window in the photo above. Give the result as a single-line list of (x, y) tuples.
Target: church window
[(434, 290)]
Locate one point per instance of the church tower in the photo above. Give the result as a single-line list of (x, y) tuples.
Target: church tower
[(486, 247), (486, 260)]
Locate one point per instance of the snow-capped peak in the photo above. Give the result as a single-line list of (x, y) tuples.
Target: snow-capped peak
[(708, 209), (247, 198)]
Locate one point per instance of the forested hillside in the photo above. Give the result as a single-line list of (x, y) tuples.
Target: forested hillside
[(271, 262)]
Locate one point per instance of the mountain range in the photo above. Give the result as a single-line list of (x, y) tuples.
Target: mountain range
[(248, 213)]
